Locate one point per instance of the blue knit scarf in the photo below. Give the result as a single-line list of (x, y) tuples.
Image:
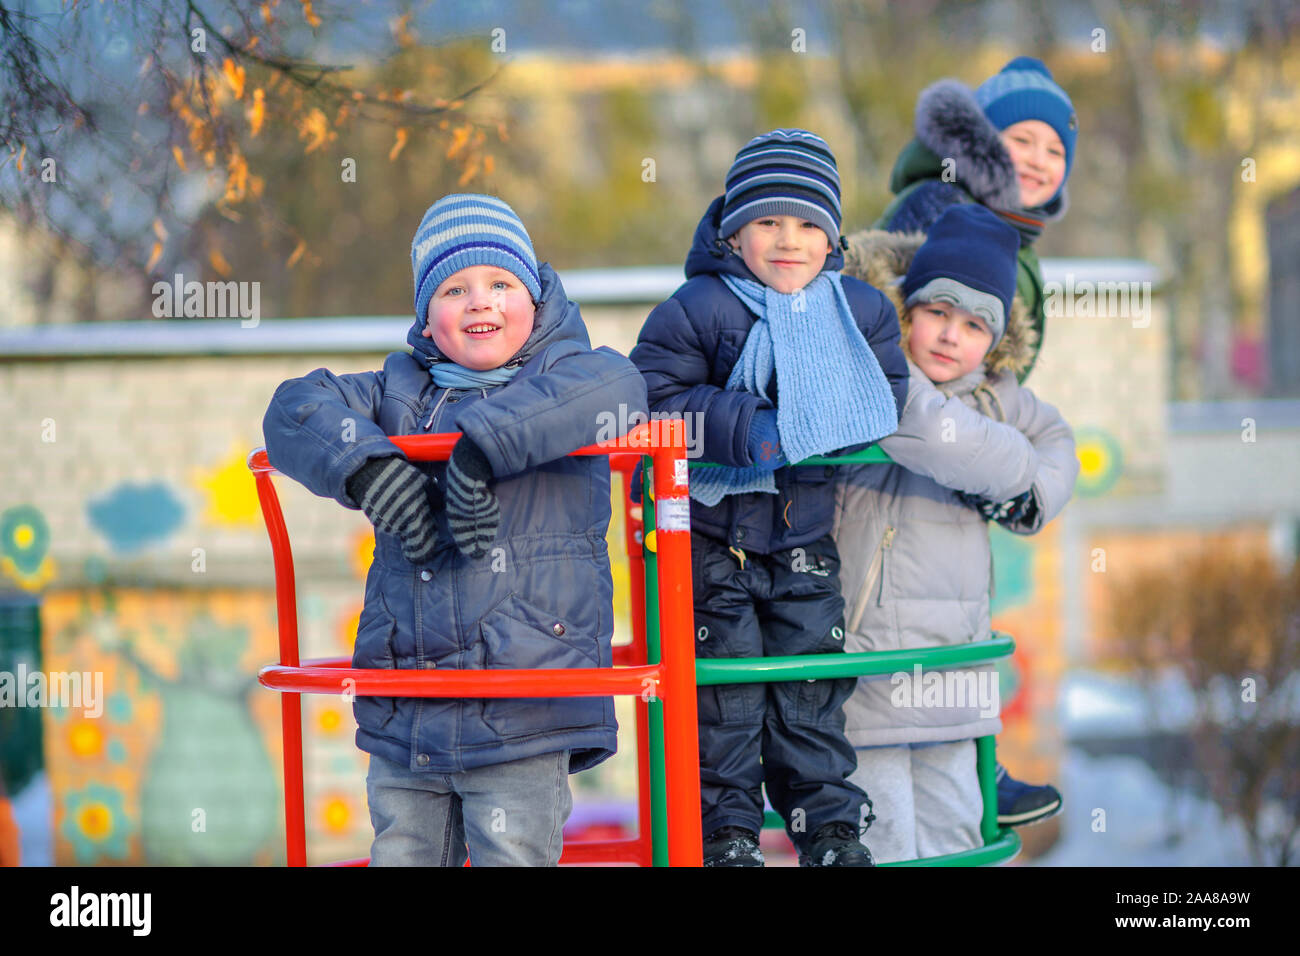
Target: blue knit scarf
[(451, 375), (833, 393)]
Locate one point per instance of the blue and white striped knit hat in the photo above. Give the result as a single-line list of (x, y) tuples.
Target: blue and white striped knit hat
[(787, 172), (469, 229), (1024, 90)]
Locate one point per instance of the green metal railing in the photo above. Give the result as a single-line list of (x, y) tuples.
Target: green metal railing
[(1000, 843)]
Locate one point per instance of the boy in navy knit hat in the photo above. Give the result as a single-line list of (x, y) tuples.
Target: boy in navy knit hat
[(494, 559), (972, 446), (785, 359)]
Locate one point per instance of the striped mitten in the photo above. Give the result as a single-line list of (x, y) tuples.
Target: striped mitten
[(398, 498), (472, 509)]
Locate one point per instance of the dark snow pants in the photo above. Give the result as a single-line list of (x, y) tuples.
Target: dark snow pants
[(777, 604)]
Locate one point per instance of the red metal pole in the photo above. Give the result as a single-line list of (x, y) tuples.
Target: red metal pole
[(677, 631), (295, 825)]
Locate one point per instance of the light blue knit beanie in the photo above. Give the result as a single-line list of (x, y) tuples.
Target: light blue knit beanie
[(1024, 90), (470, 229)]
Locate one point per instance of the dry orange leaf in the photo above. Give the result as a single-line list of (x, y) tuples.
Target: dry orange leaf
[(402, 32), (314, 127), (297, 254), (399, 144), (236, 179), (179, 157), (218, 262), (154, 256), (309, 15), (234, 75), (257, 112), (489, 164), (470, 171), (459, 137), (159, 230)]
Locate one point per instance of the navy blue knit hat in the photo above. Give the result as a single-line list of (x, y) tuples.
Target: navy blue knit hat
[(974, 249), (787, 172), (1025, 90), (469, 229)]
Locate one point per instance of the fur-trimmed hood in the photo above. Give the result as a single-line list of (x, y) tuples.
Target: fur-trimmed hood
[(950, 125), (882, 259)]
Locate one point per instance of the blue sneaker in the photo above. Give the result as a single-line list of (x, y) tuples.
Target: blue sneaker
[(1020, 804)]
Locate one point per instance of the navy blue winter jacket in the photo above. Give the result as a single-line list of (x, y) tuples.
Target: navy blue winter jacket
[(541, 598), (686, 351)]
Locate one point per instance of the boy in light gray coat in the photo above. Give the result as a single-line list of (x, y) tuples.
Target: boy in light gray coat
[(971, 446)]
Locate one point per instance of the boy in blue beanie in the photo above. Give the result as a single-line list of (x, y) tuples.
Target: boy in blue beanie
[(971, 446), (493, 559), (785, 359), (1008, 145)]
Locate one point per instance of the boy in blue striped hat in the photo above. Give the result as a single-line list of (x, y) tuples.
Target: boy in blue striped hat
[(494, 559), (785, 359)]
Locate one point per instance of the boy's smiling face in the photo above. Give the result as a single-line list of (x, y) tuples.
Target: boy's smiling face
[(785, 253), (480, 317), (1039, 157), (946, 342)]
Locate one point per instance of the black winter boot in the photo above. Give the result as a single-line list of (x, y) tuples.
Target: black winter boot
[(836, 844), (732, 846)]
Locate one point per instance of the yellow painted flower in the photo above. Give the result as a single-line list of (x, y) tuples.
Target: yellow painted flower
[(337, 815), (85, 739), (231, 491), (95, 823), (1101, 461)]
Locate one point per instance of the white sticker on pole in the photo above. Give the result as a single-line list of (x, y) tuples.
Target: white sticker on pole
[(673, 514), (681, 468)]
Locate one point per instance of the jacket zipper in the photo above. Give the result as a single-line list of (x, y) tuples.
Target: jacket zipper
[(873, 572), (437, 405)]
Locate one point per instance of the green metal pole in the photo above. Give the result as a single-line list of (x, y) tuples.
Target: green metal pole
[(986, 768), (658, 777), (758, 670)]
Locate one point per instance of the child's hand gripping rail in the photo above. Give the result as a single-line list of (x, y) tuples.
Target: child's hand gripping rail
[(673, 678)]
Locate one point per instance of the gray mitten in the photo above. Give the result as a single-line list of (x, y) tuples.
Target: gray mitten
[(473, 513), (400, 499)]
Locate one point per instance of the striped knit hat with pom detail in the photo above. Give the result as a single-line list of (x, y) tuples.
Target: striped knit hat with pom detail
[(787, 172), (1024, 90), (469, 229)]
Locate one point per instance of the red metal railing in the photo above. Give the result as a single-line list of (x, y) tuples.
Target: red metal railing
[(671, 680)]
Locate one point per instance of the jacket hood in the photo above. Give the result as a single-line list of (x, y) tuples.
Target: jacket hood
[(711, 255), (882, 259), (556, 320), (951, 125)]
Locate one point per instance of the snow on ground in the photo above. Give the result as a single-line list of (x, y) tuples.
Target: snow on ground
[(1146, 823)]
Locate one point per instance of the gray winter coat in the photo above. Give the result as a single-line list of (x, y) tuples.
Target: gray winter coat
[(541, 598), (917, 566)]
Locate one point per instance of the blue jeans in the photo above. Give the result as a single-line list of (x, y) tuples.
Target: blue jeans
[(509, 814)]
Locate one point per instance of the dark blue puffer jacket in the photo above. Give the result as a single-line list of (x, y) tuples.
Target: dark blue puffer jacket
[(686, 351), (541, 598)]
